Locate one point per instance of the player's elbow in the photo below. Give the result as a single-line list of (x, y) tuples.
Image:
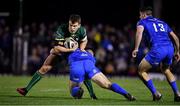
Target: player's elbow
[(55, 50)]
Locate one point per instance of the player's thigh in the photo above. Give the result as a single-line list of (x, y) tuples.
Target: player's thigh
[(90, 68), (169, 56), (155, 56), (77, 72), (48, 63), (144, 66), (101, 80), (51, 59)]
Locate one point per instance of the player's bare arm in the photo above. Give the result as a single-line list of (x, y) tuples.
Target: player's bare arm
[(176, 40), (139, 34), (83, 43), (59, 49)]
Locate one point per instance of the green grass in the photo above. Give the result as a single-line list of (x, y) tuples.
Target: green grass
[(54, 91)]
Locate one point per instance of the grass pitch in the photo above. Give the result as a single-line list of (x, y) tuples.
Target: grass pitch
[(53, 90)]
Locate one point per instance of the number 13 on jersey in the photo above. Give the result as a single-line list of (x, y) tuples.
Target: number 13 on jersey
[(158, 27)]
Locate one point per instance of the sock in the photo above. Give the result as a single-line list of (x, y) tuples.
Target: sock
[(36, 77), (116, 88), (151, 86), (174, 86), (88, 85), (75, 91)]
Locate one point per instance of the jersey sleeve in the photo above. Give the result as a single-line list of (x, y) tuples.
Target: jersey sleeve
[(58, 36), (140, 23), (83, 34), (169, 29)]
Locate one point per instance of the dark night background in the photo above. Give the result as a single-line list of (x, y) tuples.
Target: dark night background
[(113, 12)]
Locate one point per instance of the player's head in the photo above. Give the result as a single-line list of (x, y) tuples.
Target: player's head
[(74, 23), (77, 92), (145, 11)]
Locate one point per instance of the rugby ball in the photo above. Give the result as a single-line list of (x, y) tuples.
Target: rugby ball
[(69, 43)]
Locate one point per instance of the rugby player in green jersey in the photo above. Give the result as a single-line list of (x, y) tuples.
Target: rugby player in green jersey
[(78, 33)]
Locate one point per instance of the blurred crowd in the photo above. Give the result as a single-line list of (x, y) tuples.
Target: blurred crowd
[(112, 47)]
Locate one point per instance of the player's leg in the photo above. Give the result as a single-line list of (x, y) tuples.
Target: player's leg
[(172, 82), (102, 81), (144, 66), (48, 64), (165, 68), (76, 89), (89, 86), (77, 75), (88, 83), (94, 73)]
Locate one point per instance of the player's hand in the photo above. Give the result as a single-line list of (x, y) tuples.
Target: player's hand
[(83, 50), (177, 56), (134, 53)]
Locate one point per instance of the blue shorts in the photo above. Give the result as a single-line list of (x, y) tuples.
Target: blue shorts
[(81, 69), (162, 54)]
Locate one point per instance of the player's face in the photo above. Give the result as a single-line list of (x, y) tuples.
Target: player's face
[(73, 27)]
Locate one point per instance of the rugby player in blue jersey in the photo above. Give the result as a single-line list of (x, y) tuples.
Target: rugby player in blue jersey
[(161, 53), (82, 65)]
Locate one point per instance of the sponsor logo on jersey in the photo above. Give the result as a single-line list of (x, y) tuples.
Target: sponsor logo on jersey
[(83, 54)]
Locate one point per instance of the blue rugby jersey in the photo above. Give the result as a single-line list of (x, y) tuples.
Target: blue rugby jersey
[(156, 31), (79, 55)]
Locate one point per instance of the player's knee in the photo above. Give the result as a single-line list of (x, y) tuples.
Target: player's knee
[(140, 72), (45, 68), (164, 68), (77, 92), (106, 85)]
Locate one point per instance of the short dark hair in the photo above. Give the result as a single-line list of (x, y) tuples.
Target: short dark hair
[(75, 18), (148, 10)]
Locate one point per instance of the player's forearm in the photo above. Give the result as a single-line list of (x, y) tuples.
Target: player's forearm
[(83, 44), (176, 40), (137, 41), (60, 49), (177, 43)]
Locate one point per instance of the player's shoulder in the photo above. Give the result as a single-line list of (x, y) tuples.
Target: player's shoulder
[(62, 29), (146, 20), (140, 22), (63, 26), (82, 30), (161, 21)]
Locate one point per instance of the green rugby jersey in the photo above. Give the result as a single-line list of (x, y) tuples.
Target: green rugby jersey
[(63, 32)]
